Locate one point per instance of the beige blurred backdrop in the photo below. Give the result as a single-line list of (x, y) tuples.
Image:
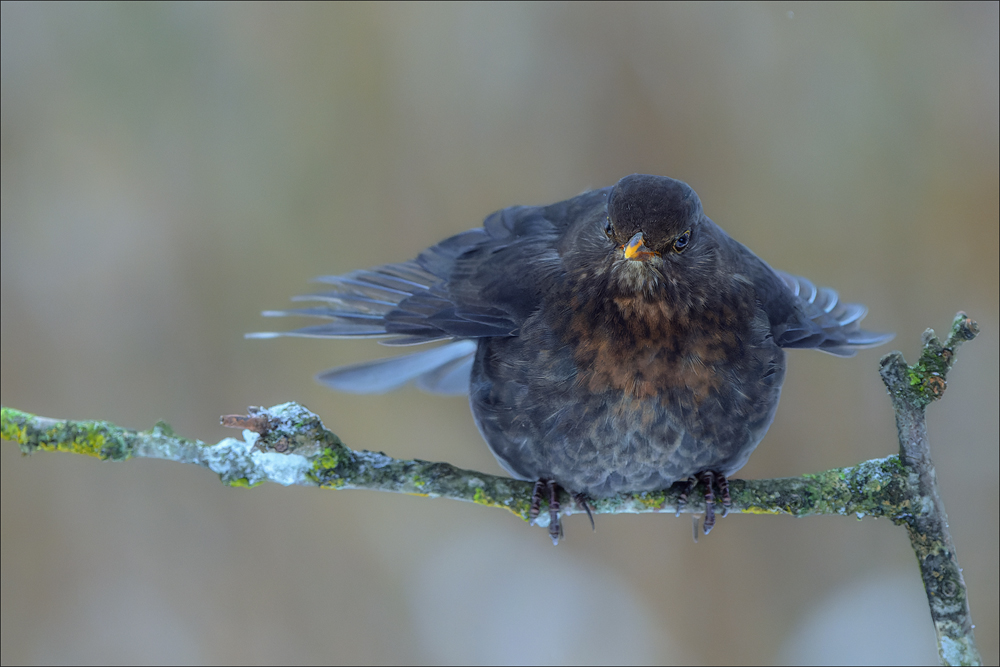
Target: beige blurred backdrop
[(169, 171)]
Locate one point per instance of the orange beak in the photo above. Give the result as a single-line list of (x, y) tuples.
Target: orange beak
[(636, 249)]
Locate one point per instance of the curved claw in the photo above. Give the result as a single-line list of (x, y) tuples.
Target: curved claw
[(555, 526), (711, 480), (581, 500), (682, 499), (727, 502), (707, 478), (551, 490)]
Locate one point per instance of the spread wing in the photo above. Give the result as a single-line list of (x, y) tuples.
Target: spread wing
[(804, 316), (481, 283), (801, 315), (822, 321)]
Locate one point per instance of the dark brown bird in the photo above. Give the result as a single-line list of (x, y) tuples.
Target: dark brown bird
[(618, 341)]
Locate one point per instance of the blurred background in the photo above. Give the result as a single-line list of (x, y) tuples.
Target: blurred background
[(170, 170)]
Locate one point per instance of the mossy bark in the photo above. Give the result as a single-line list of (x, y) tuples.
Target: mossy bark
[(912, 389), (291, 446)]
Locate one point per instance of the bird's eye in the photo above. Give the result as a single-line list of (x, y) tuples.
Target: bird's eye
[(609, 229), (681, 241)]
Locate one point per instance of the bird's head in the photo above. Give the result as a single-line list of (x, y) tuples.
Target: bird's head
[(654, 224)]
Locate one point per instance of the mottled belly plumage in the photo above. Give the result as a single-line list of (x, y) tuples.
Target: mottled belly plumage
[(547, 425)]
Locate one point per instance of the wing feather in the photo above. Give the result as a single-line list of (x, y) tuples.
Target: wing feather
[(459, 289), (820, 320)]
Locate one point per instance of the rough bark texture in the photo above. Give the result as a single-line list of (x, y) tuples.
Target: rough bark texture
[(288, 444), (912, 389)]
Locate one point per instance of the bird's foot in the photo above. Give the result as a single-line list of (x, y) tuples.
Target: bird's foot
[(710, 479), (581, 500), (552, 491)]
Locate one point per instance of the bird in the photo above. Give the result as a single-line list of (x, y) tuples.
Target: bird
[(615, 342)]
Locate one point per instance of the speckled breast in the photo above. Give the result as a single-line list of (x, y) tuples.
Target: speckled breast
[(630, 399)]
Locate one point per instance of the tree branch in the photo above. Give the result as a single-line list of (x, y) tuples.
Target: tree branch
[(912, 389), (288, 444)]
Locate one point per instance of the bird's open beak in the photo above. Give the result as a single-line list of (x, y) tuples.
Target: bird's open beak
[(636, 249)]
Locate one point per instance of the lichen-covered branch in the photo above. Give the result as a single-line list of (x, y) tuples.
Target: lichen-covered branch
[(288, 444), (912, 389)]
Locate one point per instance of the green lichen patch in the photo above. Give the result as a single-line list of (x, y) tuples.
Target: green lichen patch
[(926, 384), (873, 488), (924, 545), (13, 425), (878, 487), (927, 378), (90, 438), (300, 429), (510, 502), (778, 496), (652, 500), (324, 469), (828, 494), (752, 509), (163, 429), (241, 483), (520, 508)]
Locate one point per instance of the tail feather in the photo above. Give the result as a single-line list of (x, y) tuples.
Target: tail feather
[(439, 369), (451, 379), (364, 303), (324, 312), (352, 301), (333, 330)]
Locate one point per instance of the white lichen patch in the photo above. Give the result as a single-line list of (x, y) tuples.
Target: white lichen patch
[(250, 438), (375, 460), (953, 652), (876, 468), (236, 459), (289, 415), (229, 458), (285, 469)]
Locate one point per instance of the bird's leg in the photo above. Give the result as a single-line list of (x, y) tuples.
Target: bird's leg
[(555, 527), (707, 478), (712, 478), (581, 500), (536, 502), (682, 499), (723, 483)]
